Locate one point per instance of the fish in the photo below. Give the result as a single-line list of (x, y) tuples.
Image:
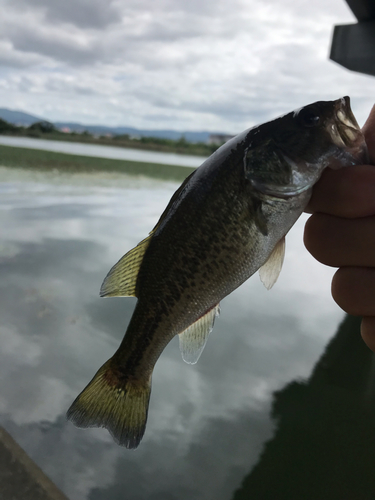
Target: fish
[(226, 221)]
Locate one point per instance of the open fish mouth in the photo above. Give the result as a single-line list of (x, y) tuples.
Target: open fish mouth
[(331, 137), (346, 134)]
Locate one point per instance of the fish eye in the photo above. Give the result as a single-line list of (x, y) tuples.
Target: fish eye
[(308, 118)]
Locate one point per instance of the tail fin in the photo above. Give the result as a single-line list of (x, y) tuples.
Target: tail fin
[(116, 403)]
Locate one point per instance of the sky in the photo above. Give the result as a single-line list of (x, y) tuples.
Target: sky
[(218, 65)]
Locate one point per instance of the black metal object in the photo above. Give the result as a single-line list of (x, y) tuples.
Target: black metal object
[(353, 45)]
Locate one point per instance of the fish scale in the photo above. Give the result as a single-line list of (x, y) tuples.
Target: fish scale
[(227, 220)]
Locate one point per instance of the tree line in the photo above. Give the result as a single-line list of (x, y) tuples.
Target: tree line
[(47, 130)]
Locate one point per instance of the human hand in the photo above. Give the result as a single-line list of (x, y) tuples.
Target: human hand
[(341, 233)]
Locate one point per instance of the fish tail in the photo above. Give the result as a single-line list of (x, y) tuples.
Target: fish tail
[(116, 402)]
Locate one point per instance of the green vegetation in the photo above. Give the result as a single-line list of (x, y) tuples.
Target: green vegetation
[(182, 146), (46, 130), (7, 128), (48, 160)]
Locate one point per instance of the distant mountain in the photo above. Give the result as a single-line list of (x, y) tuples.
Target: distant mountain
[(25, 119), (18, 117)]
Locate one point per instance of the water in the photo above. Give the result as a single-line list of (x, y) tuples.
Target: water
[(210, 425), (117, 153)]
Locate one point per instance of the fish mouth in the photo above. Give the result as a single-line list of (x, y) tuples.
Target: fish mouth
[(347, 136)]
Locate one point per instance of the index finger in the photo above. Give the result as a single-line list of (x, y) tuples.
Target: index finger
[(347, 192)]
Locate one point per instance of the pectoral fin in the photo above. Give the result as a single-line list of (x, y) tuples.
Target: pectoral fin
[(194, 338), (122, 278), (270, 270)]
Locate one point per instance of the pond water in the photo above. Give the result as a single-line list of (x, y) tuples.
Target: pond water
[(216, 430)]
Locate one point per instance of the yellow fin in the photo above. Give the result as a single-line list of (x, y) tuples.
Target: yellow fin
[(122, 278), (194, 338), (270, 270), (120, 405)]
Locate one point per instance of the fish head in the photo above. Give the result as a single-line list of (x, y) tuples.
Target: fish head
[(286, 156)]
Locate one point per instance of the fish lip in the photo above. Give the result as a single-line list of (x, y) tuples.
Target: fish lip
[(346, 134), (345, 113)]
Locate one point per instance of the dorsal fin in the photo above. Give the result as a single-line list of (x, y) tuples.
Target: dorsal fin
[(122, 278), (270, 270), (194, 338)]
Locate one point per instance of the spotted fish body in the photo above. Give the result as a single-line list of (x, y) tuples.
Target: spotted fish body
[(227, 220), (207, 260)]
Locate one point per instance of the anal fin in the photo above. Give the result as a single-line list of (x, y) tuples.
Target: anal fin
[(194, 338), (270, 270)]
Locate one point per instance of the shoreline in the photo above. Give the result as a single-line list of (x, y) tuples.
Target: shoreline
[(193, 149), (39, 159)]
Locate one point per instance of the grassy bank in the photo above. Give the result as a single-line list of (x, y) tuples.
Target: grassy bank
[(49, 160)]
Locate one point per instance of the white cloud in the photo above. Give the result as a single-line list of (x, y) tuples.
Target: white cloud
[(215, 65)]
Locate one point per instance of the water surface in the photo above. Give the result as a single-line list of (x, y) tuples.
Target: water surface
[(209, 424)]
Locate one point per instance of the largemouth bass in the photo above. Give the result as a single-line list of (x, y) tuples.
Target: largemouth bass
[(227, 220)]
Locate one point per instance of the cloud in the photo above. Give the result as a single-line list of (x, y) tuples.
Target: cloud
[(81, 13), (201, 65), (11, 58)]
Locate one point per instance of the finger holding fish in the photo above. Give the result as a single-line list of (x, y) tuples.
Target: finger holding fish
[(341, 233), (338, 241), (348, 192)]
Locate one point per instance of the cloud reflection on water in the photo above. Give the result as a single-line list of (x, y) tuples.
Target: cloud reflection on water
[(207, 423)]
